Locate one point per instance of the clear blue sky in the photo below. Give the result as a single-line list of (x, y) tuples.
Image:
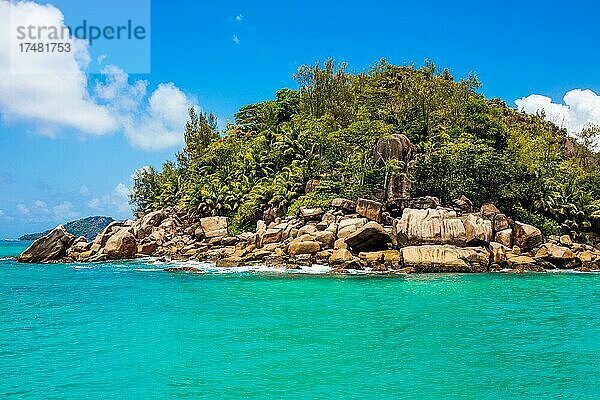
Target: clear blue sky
[(223, 62)]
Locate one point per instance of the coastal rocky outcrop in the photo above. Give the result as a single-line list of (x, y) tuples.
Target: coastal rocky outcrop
[(349, 235), (52, 246)]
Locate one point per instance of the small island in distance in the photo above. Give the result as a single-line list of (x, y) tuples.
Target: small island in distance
[(88, 227)]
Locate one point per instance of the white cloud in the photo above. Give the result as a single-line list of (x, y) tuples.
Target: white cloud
[(162, 123), (1, 213), (23, 209), (235, 39), (116, 90), (58, 95), (54, 94), (64, 212), (40, 205), (84, 191), (580, 107), (239, 17), (39, 211), (115, 203)]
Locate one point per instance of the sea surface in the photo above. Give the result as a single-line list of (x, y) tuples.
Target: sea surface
[(129, 330)]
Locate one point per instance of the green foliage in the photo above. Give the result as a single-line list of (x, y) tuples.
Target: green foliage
[(465, 166), (326, 129)]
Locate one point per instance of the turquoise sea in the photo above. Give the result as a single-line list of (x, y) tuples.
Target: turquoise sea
[(129, 330)]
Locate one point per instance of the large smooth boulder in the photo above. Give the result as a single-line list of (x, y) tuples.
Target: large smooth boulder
[(51, 247), (370, 237), (526, 236), (147, 247), (303, 247), (356, 222), (478, 231), (504, 237), (325, 237), (339, 256), (499, 253), (311, 214), (488, 211), (369, 209), (557, 255), (429, 226), (445, 258), (269, 236), (143, 226), (524, 263), (501, 222), (463, 204), (214, 227), (344, 204), (80, 245), (121, 245), (393, 147)]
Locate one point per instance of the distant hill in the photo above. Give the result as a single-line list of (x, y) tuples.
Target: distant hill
[(88, 227)]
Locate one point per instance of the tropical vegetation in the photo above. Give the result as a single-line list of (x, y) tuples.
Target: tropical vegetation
[(324, 131)]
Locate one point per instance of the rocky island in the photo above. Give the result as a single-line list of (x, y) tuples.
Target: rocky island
[(416, 235), (395, 170)]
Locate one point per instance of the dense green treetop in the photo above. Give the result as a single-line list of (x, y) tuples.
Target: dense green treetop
[(326, 129)]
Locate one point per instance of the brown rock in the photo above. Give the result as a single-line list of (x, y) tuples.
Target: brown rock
[(80, 245), (526, 236), (429, 226), (324, 255), (325, 237), (445, 258), (229, 262), (557, 255), (340, 244), (143, 226), (463, 204), (369, 209), (51, 247), (307, 229), (186, 268), (311, 214), (499, 253), (565, 240), (501, 222), (311, 185), (488, 211), (214, 227), (356, 222), (296, 248), (504, 237), (346, 231), (340, 256), (344, 204), (147, 247), (269, 236), (389, 256), (523, 262), (370, 237), (478, 231), (121, 245)]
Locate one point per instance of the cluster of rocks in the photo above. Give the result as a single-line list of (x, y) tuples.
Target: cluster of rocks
[(418, 236)]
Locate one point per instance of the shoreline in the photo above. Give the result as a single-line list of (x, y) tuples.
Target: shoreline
[(349, 235)]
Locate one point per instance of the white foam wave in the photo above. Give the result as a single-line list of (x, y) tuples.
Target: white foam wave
[(211, 268)]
